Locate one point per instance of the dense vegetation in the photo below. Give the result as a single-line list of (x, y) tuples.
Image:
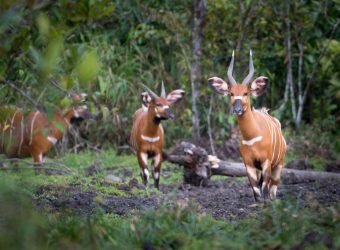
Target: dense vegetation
[(107, 49), (283, 225)]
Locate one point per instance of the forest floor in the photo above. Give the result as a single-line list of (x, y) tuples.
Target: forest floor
[(224, 198), (96, 201)]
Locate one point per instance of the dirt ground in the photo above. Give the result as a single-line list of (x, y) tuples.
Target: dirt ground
[(227, 199)]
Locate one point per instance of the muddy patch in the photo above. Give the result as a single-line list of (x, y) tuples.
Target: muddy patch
[(124, 205), (227, 199), (70, 198)]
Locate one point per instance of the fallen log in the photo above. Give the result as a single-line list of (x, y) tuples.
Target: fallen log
[(199, 166)]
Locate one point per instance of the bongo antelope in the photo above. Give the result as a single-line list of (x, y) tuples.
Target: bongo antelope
[(262, 143), (36, 134), (147, 135)]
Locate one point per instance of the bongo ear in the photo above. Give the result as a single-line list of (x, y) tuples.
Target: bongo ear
[(259, 85), (175, 96), (218, 85)]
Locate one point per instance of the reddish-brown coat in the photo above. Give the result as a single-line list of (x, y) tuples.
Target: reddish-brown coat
[(22, 137), (262, 143), (147, 135)]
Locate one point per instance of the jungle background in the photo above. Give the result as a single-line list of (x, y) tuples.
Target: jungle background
[(107, 49)]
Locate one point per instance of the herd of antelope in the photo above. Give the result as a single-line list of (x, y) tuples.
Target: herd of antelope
[(262, 143)]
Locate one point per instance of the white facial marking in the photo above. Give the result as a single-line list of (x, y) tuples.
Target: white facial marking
[(165, 107), (272, 192), (144, 157), (157, 160), (157, 114), (252, 141), (150, 139), (52, 139), (238, 97)]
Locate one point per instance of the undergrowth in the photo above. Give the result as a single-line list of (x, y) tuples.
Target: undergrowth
[(317, 144), (282, 225), (172, 226)]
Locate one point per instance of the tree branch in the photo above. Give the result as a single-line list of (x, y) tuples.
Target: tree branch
[(323, 52), (26, 95)]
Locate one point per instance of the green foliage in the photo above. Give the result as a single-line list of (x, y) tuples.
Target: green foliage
[(172, 226), (318, 144), (108, 48), (21, 226)]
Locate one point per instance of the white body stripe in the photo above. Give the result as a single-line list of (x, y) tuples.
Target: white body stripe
[(11, 129), (269, 128), (252, 141), (150, 139), (274, 138), (278, 127), (32, 126), (22, 135), (277, 139)]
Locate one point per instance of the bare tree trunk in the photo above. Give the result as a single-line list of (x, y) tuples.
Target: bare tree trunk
[(303, 95), (300, 94), (199, 167), (199, 13), (243, 22), (209, 126), (288, 175), (288, 46)]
